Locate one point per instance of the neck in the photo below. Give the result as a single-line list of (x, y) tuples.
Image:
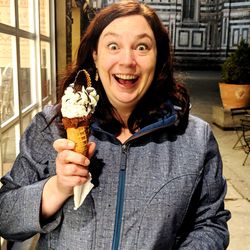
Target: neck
[(124, 135), (123, 115)]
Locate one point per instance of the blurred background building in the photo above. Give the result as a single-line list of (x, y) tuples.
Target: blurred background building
[(38, 38), (203, 32)]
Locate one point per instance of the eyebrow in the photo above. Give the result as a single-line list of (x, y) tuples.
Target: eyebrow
[(117, 35)]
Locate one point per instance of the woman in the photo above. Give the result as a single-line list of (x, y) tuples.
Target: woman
[(157, 171)]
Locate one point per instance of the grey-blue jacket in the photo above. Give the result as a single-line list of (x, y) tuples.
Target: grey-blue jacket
[(156, 191)]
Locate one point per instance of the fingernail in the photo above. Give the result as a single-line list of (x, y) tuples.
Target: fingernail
[(87, 162), (71, 144)]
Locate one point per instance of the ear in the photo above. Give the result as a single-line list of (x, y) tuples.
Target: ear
[(94, 54)]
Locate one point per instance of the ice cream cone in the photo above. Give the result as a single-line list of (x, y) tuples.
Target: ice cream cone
[(78, 106), (80, 137)]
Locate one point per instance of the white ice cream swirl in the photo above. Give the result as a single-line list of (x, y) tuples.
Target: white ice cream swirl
[(80, 103)]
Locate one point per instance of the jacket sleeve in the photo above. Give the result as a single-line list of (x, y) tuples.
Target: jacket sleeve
[(20, 195), (206, 215)]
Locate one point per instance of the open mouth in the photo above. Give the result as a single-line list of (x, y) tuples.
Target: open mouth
[(126, 79)]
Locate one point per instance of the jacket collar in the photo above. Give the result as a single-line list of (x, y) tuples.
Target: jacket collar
[(167, 120)]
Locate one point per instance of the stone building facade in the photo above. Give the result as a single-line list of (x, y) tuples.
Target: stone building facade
[(203, 32)]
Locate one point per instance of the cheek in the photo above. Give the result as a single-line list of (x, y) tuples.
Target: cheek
[(150, 68), (105, 63), (147, 64), (105, 66), (153, 64)]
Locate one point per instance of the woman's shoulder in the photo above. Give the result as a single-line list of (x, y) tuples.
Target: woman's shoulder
[(195, 121), (45, 123), (50, 111), (43, 130), (197, 127)]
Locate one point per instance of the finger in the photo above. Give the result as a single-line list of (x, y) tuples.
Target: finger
[(63, 144), (70, 156), (72, 181), (91, 149), (74, 170)]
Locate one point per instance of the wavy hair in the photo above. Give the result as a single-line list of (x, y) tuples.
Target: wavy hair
[(163, 89)]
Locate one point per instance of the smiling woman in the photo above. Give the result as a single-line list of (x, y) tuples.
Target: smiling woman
[(125, 60), (153, 166)]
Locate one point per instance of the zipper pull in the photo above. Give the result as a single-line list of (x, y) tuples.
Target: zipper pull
[(124, 157), (124, 148)]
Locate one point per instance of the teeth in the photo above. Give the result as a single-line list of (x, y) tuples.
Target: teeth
[(126, 77)]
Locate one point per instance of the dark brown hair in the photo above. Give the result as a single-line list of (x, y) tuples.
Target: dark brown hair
[(163, 90)]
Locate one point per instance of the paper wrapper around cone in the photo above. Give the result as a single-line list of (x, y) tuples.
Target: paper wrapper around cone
[(79, 135)]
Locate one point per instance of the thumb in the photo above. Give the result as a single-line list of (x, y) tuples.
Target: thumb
[(91, 149)]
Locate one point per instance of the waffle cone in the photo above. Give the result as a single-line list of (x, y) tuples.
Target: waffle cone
[(79, 136)]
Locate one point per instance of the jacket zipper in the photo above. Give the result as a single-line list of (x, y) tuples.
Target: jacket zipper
[(120, 200), (122, 177)]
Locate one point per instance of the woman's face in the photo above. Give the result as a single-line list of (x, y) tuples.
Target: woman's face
[(126, 60)]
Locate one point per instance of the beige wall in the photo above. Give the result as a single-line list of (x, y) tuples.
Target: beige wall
[(75, 30), (61, 35)]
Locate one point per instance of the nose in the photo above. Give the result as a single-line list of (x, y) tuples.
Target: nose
[(128, 58)]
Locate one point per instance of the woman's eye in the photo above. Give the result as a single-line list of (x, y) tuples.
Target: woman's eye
[(113, 46), (142, 47)]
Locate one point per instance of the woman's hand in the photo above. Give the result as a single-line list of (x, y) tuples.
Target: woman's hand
[(71, 170), (71, 167)]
